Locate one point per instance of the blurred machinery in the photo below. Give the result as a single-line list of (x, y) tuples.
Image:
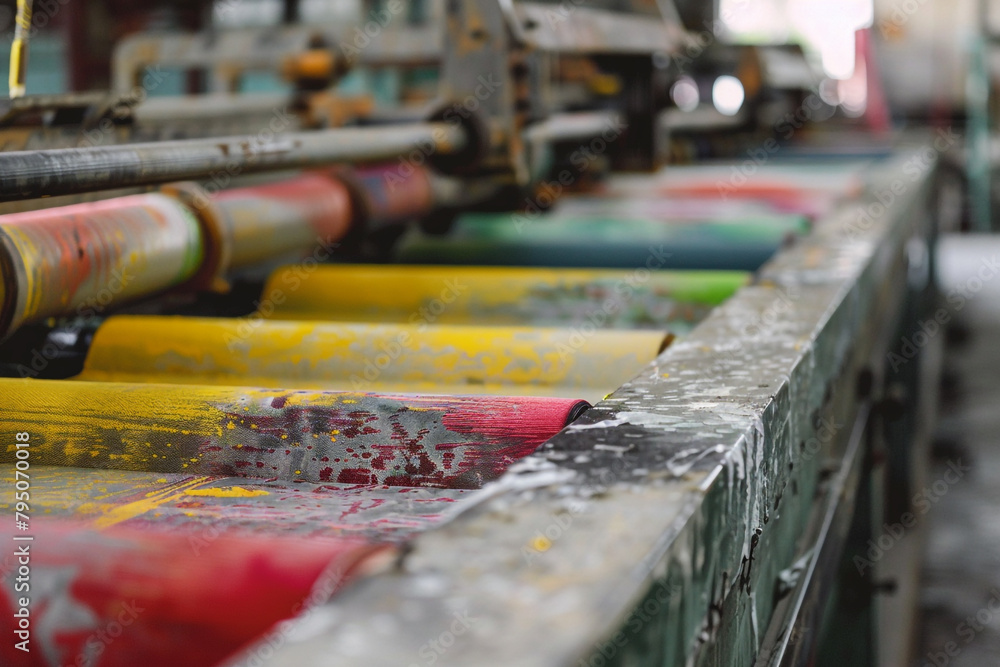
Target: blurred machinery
[(467, 376)]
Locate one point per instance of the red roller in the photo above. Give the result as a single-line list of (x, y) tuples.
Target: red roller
[(263, 222), (122, 598), (390, 194)]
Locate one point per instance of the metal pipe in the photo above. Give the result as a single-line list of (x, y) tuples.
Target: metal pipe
[(575, 126), (27, 174)]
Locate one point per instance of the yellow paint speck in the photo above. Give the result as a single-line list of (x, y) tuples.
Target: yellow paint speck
[(227, 492), (541, 543), (230, 425)]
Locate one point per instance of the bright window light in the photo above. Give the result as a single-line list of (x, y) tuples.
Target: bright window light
[(684, 93), (727, 95)]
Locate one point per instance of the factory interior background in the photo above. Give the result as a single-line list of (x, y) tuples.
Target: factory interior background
[(545, 333)]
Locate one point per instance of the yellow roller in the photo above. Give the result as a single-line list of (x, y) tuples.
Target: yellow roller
[(496, 295), (307, 435), (439, 359)]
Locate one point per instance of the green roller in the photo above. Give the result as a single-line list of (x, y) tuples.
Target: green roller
[(603, 240), (498, 296)]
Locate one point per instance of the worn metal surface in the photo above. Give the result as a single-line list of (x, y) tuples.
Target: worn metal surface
[(498, 296), (26, 174), (483, 71), (684, 492), (579, 29), (436, 359), (80, 259), (314, 436), (174, 502), (228, 54), (92, 105)]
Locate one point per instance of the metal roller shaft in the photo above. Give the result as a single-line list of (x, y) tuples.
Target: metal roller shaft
[(314, 436), (27, 174)]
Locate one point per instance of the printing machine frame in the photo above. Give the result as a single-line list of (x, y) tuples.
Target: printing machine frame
[(709, 511), (706, 513)]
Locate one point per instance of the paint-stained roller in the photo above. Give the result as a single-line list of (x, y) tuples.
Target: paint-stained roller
[(388, 194), (87, 257), (665, 300), (312, 210), (83, 258), (188, 598), (265, 222), (176, 502), (370, 357), (315, 436), (610, 242), (80, 259)]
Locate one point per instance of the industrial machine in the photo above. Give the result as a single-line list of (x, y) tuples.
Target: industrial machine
[(471, 376)]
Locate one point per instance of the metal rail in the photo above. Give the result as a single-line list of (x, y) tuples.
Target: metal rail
[(28, 174)]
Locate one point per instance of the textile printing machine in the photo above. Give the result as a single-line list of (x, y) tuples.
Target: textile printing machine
[(472, 381)]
